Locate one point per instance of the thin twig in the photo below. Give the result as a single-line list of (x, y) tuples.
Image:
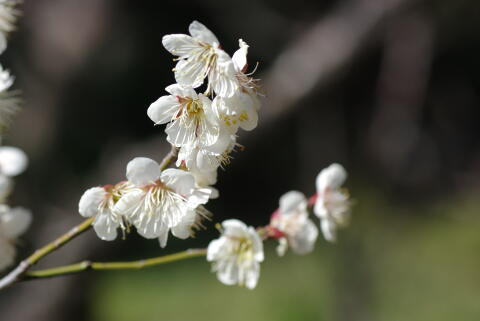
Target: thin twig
[(16, 275), (130, 265), (170, 158)]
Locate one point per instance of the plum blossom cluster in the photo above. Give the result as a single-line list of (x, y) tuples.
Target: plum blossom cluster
[(13, 161), (203, 126), (202, 129), (213, 98), (237, 254)]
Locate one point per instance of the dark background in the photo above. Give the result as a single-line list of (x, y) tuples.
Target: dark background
[(388, 88)]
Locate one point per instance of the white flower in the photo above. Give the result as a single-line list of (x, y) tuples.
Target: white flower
[(13, 161), (205, 159), (332, 205), (190, 117), (200, 56), (8, 15), (8, 101), (161, 201), (292, 221), (100, 202), (13, 223), (240, 109), (237, 254)]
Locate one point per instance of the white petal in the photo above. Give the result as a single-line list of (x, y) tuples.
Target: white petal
[(213, 249), (16, 221), (106, 226), (181, 133), (234, 227), (223, 79), (257, 244), (13, 161), (248, 115), (183, 229), (180, 181), (328, 229), (228, 273), (163, 236), (331, 177), (129, 203), (90, 201), (291, 201), (202, 33), (252, 275), (319, 208), (190, 72), (179, 45), (207, 162), (164, 109), (240, 56), (142, 171), (304, 240), (199, 196), (181, 91)]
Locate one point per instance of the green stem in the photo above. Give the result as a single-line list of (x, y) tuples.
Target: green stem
[(87, 265), (17, 274)]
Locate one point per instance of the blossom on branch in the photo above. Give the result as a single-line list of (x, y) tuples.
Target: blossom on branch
[(189, 116), (292, 226), (161, 201), (237, 254), (100, 202), (200, 56), (332, 205), (241, 108)]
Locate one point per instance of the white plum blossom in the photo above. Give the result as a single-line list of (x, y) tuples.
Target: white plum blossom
[(100, 202), (237, 254), (13, 223), (332, 205), (8, 16), (241, 108), (161, 201), (291, 220), (199, 56), (189, 116)]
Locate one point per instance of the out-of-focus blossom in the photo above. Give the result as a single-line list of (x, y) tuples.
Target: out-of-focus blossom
[(13, 223), (332, 205), (161, 200), (199, 56), (13, 161), (291, 220), (237, 254), (8, 17)]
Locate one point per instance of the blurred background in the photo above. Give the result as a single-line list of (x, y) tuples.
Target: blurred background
[(388, 88)]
